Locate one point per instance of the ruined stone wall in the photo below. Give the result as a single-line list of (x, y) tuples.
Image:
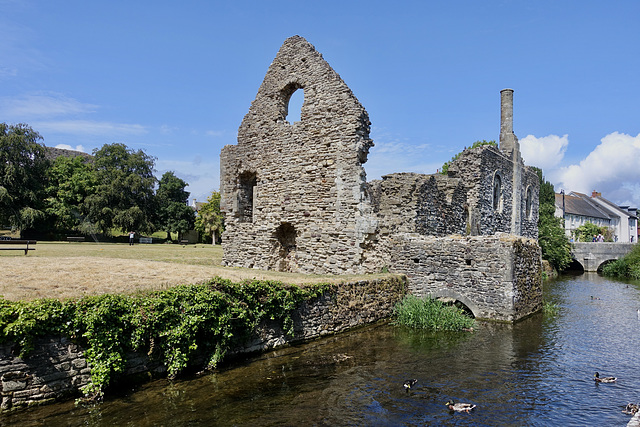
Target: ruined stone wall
[(414, 203), (294, 193), (497, 277), (460, 203), (486, 173), (57, 369)]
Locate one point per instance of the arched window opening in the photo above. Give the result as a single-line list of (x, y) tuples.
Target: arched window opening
[(294, 108), (497, 192), (246, 189), (291, 101)]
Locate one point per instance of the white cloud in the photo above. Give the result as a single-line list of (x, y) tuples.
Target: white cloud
[(612, 168), (392, 155), (387, 157), (33, 106), (215, 133), (88, 127), (68, 147), (8, 72), (546, 152)]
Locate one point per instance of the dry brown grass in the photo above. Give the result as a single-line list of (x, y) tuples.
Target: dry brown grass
[(68, 270)]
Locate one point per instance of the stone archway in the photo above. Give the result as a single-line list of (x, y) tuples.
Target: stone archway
[(457, 299)]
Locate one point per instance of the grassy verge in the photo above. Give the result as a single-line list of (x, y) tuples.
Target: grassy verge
[(64, 270)]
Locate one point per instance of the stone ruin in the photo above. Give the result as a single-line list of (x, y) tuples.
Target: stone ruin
[(295, 198)]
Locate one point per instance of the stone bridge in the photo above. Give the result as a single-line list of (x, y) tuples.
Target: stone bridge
[(592, 255)]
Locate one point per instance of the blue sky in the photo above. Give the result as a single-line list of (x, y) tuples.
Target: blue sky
[(176, 78)]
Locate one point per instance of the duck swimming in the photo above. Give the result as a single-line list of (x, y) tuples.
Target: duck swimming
[(459, 407), (409, 383), (603, 379)]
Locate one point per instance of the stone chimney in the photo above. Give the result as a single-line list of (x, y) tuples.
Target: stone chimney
[(508, 140)]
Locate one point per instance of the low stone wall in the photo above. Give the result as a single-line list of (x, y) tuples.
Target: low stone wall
[(56, 368)]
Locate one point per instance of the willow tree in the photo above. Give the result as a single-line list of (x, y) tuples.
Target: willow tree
[(22, 176)]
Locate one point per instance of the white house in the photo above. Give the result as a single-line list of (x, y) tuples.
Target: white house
[(578, 209), (627, 229)]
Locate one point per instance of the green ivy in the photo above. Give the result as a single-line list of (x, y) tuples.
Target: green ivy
[(172, 325)]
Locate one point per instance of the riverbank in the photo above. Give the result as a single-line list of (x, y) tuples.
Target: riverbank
[(542, 367), (90, 337)]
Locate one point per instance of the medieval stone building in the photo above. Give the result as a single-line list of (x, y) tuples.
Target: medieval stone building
[(295, 198)]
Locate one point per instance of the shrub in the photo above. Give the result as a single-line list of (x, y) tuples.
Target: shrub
[(430, 313), (627, 267)]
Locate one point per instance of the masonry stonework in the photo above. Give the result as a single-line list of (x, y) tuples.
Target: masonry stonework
[(296, 198), (294, 193)]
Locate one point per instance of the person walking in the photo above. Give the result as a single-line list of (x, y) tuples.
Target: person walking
[(132, 234)]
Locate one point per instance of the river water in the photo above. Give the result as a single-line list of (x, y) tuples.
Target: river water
[(538, 372)]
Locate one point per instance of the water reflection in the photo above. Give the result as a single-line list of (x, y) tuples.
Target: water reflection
[(537, 372)]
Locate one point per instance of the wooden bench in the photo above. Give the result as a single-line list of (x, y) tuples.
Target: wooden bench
[(23, 243), (146, 240), (75, 238), (184, 242)]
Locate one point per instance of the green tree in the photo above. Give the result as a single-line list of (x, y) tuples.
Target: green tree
[(551, 236), (124, 197), (70, 181), (210, 221), (586, 231), (445, 166), (22, 176), (174, 215)]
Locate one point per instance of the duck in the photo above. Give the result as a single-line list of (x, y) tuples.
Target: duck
[(603, 379), (459, 407), (631, 409), (409, 383)]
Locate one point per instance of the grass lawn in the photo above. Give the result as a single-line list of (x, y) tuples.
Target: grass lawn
[(68, 270)]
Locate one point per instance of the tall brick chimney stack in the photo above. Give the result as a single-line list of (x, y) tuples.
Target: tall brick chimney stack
[(508, 140)]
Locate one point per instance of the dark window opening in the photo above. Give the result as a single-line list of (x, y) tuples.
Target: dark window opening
[(286, 236), (467, 221), (528, 203), (247, 184), (497, 192)]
